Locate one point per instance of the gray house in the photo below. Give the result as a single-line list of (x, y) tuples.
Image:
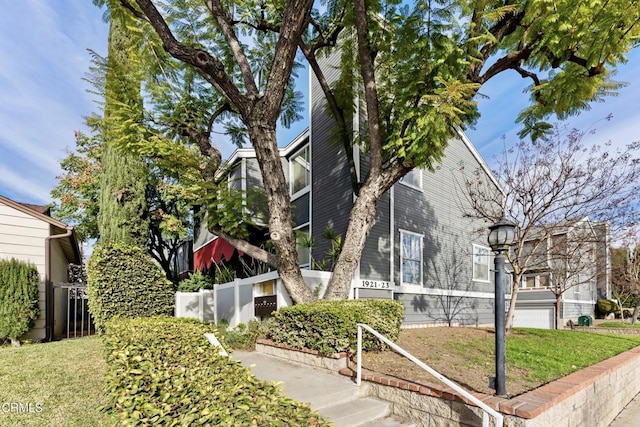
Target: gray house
[(422, 249), (567, 269)]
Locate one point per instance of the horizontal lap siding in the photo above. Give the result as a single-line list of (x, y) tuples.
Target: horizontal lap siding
[(331, 191), (23, 237), (438, 213), (375, 264), (428, 309)]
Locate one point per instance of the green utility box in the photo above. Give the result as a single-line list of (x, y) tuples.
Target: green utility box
[(585, 321)]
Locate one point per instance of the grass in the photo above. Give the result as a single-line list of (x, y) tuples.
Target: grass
[(619, 325), (551, 354), (57, 384), (466, 355)]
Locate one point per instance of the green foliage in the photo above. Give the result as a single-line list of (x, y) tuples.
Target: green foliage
[(243, 336), (124, 281), (331, 326), (76, 194), (122, 184), (606, 306), (163, 371), (18, 298), (195, 282)]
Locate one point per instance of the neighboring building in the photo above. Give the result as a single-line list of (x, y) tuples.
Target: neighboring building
[(567, 263), (28, 233)]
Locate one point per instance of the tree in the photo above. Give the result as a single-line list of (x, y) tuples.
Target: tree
[(76, 194), (625, 271), (549, 186), (412, 70), (122, 184), (167, 203), (571, 257)]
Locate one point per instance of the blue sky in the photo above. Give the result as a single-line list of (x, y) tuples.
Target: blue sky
[(43, 99)]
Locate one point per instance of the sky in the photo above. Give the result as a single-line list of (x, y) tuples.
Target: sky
[(43, 99)]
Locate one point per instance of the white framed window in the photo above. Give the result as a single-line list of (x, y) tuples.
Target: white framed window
[(413, 179), (530, 281), (304, 251), (481, 259), (410, 258), (300, 171)]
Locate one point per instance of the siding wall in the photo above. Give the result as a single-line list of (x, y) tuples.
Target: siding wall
[(437, 213), (331, 191), (22, 237)]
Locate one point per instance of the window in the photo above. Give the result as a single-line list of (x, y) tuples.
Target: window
[(302, 245), (300, 171), (535, 281), (413, 179), (481, 263), (411, 258)]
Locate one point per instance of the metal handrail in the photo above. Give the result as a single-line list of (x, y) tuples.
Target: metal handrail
[(487, 410)]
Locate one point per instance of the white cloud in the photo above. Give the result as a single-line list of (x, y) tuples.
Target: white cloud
[(43, 52)]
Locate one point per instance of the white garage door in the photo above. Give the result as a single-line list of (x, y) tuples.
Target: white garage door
[(541, 318)]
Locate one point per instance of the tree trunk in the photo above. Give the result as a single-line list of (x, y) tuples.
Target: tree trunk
[(558, 306), (362, 216), (636, 311), (263, 138), (517, 278)]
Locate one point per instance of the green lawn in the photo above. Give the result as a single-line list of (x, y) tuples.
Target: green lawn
[(619, 325), (57, 384), (551, 354)]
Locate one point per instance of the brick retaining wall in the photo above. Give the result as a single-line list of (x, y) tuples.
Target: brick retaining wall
[(591, 397)]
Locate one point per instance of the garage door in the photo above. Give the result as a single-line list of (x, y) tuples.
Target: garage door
[(541, 318)]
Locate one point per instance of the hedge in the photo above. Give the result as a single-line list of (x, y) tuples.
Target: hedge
[(18, 298), (123, 280), (331, 326), (163, 371)]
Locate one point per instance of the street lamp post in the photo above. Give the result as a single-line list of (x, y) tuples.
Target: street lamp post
[(501, 236)]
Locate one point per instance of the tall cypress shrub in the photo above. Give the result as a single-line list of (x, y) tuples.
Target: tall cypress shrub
[(123, 182), (18, 298)]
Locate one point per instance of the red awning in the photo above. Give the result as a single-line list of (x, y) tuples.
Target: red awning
[(213, 251)]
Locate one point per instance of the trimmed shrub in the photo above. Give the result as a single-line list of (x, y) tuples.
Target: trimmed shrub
[(18, 298), (243, 336), (195, 282), (331, 326), (124, 281), (606, 306), (163, 371)]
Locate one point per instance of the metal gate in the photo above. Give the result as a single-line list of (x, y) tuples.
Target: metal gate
[(79, 322)]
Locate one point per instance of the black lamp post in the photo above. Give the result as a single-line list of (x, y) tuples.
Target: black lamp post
[(501, 236)]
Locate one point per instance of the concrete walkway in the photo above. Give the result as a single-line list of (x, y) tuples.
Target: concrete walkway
[(630, 415), (334, 396)]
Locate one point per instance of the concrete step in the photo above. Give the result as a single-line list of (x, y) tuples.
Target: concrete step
[(359, 412), (390, 421), (334, 396)]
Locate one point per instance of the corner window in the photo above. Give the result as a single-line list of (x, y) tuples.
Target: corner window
[(300, 171), (413, 179), (481, 263), (411, 258), (302, 245)]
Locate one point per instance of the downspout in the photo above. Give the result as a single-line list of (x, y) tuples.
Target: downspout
[(48, 289)]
